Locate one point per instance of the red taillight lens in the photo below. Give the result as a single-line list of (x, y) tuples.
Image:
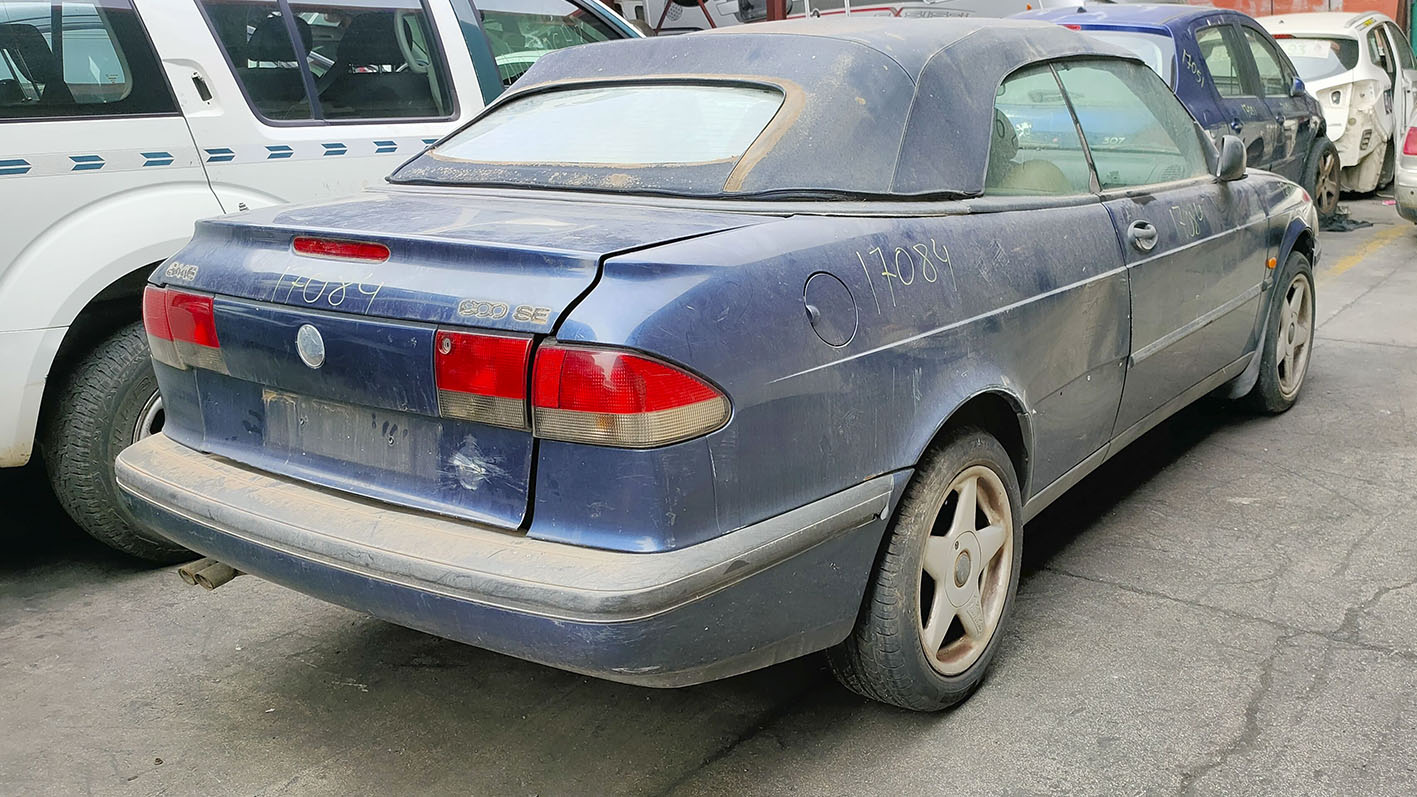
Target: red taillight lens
[(155, 313), (341, 250), (181, 329), (1409, 145), (482, 377), (614, 398), (192, 319)]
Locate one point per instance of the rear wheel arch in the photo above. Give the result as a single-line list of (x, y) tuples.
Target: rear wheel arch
[(1002, 415), (112, 308)]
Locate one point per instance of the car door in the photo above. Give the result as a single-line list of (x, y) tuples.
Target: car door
[(1237, 92), (1405, 95), (1194, 247), (1292, 119), (292, 100), (1380, 54), (87, 124)]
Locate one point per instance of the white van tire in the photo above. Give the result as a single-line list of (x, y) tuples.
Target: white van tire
[(93, 416)]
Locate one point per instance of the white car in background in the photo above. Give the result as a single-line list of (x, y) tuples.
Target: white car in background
[(1406, 191), (122, 122), (682, 16), (1361, 69)]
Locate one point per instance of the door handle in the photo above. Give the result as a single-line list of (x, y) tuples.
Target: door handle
[(1142, 235), (1237, 125), (201, 86)]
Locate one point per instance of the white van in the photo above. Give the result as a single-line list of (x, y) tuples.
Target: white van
[(124, 121)]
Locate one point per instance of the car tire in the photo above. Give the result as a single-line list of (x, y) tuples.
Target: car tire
[(107, 401), (1323, 178), (904, 613), (1288, 341)]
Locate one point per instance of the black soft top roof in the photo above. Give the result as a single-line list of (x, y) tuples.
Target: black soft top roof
[(874, 106)]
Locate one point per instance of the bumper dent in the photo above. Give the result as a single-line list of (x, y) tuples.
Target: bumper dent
[(762, 594)]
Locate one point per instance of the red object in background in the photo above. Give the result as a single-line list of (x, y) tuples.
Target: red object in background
[(1396, 9), (1409, 145), (777, 9)]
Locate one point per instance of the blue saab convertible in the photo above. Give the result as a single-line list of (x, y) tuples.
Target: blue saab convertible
[(695, 354)]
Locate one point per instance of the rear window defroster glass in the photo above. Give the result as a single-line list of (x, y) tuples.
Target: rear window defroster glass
[(647, 125)]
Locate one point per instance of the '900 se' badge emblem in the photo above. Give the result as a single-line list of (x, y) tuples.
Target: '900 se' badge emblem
[(310, 346)]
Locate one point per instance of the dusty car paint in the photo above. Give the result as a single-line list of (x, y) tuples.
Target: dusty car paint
[(1031, 314)]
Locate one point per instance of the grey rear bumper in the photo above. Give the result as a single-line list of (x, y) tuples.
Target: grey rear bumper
[(758, 595)]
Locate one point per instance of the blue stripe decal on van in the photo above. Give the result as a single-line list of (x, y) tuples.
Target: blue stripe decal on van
[(157, 158), (335, 148), (14, 166), (430, 141), (384, 147), (279, 152), (86, 163), (219, 154)]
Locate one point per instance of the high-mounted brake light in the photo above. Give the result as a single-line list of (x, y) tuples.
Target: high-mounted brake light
[(181, 329), (482, 377), (1409, 145), (340, 250), (614, 398)]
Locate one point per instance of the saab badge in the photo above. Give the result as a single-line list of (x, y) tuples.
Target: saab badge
[(310, 346)]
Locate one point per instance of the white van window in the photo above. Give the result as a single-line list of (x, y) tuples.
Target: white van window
[(521, 31), (99, 62), (364, 60), (257, 43)]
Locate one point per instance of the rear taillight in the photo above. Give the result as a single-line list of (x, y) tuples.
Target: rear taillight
[(482, 377), (1409, 145), (340, 250), (181, 329), (615, 398)]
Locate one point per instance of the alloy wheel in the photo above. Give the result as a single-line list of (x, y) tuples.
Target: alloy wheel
[(1296, 328), (965, 570), (1326, 187)]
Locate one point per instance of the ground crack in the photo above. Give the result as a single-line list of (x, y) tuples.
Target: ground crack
[(765, 721), (1346, 633), (1249, 735)]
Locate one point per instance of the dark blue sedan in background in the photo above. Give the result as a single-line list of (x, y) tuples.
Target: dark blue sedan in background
[(1234, 79), (696, 354)]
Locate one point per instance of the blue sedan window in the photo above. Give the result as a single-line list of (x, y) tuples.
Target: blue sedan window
[(1158, 50), (647, 125)]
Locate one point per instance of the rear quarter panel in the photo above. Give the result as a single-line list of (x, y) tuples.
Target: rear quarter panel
[(1031, 304)]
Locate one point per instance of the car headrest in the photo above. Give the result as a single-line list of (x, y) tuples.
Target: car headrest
[(30, 52), (1003, 142), (271, 42), (370, 40)]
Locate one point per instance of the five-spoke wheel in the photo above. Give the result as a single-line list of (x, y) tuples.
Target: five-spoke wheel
[(944, 584), (964, 574), (1288, 339)]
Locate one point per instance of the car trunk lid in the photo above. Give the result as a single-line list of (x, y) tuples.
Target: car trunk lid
[(390, 358)]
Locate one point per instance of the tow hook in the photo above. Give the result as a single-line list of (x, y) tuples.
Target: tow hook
[(207, 573)]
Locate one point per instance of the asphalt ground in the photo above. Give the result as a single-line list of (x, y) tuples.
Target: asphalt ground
[(1230, 606)]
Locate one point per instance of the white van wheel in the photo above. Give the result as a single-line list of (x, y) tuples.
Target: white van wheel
[(107, 402)]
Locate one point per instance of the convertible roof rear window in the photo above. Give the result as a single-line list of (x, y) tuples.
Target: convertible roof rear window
[(624, 126)]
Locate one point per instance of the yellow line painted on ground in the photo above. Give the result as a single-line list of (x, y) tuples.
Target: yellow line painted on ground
[(1368, 249)]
